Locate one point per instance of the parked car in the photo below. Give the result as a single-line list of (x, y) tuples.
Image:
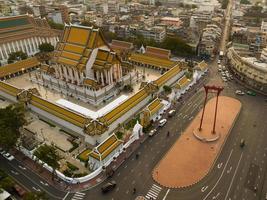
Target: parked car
[(251, 93), (162, 122), (108, 186), (8, 156), (239, 92), (219, 62), (152, 132), (171, 113)]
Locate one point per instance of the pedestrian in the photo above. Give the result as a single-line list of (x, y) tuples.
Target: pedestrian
[(168, 133), (137, 156), (134, 190)]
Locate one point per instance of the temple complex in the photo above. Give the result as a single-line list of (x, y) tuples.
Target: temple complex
[(84, 66)]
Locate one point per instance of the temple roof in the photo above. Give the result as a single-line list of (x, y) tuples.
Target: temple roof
[(18, 66), (22, 27), (182, 82), (152, 60), (118, 45), (105, 148), (77, 44), (158, 52)]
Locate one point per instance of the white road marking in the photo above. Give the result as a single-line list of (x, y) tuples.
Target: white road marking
[(153, 192), (204, 188), (215, 197), (13, 172), (36, 189), (229, 170), (66, 196), (21, 167), (165, 196), (233, 176), (220, 176), (219, 165), (46, 184)]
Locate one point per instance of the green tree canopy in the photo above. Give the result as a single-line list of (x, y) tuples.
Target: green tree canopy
[(7, 183), (46, 47), (55, 25), (49, 155), (16, 56), (12, 118), (35, 196)]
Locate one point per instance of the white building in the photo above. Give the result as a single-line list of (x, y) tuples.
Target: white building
[(24, 33)]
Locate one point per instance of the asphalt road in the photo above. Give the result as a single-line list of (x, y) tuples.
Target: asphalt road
[(31, 181)]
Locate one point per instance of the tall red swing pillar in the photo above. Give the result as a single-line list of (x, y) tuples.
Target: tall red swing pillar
[(211, 89)]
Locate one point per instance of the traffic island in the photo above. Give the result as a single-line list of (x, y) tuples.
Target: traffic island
[(190, 159)]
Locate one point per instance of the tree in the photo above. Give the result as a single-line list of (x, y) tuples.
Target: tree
[(245, 2), (49, 155), (12, 119), (46, 47), (35, 196), (55, 25), (7, 183), (167, 89), (16, 56)]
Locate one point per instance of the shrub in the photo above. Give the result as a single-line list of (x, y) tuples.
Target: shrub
[(72, 167), (119, 135), (167, 89), (80, 175)]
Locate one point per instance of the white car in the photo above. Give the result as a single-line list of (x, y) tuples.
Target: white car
[(152, 132), (239, 92), (219, 62), (8, 156), (162, 122)]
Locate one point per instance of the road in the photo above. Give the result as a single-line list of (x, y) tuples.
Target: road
[(31, 181)]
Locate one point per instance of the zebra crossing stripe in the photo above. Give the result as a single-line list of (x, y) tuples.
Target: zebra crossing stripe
[(78, 196), (154, 185), (80, 193), (153, 192), (156, 189), (148, 196)]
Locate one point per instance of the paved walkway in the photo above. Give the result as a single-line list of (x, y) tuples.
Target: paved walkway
[(190, 159)]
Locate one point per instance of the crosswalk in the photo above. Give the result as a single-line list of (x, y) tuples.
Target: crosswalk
[(78, 196), (153, 192)]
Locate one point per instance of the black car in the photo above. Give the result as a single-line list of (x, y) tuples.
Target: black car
[(108, 186)]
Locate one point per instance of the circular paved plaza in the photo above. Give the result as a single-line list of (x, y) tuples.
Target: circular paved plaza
[(190, 159)]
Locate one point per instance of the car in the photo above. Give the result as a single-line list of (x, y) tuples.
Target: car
[(239, 92), (8, 156), (219, 62), (219, 70), (171, 113), (242, 143), (251, 93), (108, 186), (162, 122), (152, 132)]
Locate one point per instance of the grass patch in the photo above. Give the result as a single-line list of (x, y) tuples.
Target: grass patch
[(72, 167), (80, 175), (84, 156), (129, 125)]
